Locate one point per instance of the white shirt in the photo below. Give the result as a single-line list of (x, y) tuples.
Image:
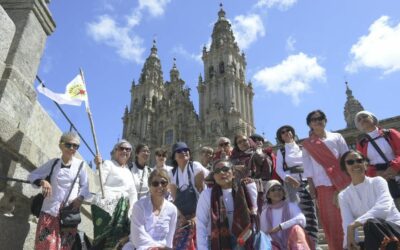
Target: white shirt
[(149, 230), (293, 157), (183, 175), (140, 178), (61, 181), (369, 199), (312, 169), (117, 182), (373, 155), (296, 218), (203, 220), (165, 167)]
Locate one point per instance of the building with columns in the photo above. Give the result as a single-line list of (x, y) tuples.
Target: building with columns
[(162, 113)]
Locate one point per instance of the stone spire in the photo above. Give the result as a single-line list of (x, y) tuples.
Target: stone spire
[(222, 33), (174, 72), (152, 72), (351, 107)]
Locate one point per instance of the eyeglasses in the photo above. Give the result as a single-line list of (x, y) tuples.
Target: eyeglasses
[(160, 155), (284, 131), (276, 189), (70, 145), (125, 149), (352, 162), (224, 169), (180, 151), (157, 183), (319, 118), (223, 144)]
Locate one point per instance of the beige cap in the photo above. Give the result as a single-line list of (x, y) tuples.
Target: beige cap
[(364, 112), (270, 184)]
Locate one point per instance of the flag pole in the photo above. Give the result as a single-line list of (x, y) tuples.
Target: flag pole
[(93, 133)]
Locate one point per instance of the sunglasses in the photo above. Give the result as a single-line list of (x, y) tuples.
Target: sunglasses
[(70, 145), (276, 189), (157, 183), (223, 169), (223, 144), (316, 119), (241, 141), (362, 116), (124, 149), (352, 162), (180, 151), (284, 131)]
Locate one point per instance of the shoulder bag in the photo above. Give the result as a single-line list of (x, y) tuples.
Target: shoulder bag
[(37, 201), (69, 216), (186, 200)]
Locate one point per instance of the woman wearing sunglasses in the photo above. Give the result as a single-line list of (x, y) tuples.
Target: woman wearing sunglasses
[(187, 181), (367, 203), (153, 218), (283, 220), (56, 179), (382, 148), (289, 166), (321, 153), (223, 211), (140, 170), (119, 196)]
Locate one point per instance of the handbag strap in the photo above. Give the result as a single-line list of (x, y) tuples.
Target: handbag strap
[(51, 171), (73, 183), (141, 182), (177, 180), (377, 148)]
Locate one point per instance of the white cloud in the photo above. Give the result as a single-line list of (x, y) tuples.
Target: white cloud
[(154, 7), (247, 29), (292, 77), (128, 46), (280, 4), (379, 49), (180, 50), (290, 42)]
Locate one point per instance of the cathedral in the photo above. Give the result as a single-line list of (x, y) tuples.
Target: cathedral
[(161, 112)]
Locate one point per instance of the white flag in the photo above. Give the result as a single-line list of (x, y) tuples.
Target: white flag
[(75, 92)]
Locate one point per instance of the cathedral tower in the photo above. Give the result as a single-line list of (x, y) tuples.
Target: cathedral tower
[(138, 120), (351, 108), (226, 100)]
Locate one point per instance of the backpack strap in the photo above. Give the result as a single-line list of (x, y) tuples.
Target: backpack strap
[(283, 152), (177, 180), (377, 148)]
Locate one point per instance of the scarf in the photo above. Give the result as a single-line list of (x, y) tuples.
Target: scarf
[(221, 236), (283, 240), (324, 156)]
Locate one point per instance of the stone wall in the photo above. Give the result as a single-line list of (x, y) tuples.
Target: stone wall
[(28, 136)]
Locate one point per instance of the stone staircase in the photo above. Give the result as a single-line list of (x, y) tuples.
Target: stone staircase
[(322, 244)]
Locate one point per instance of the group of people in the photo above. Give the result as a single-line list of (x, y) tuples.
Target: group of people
[(234, 193)]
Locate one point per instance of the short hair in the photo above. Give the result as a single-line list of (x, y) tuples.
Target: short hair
[(308, 119), (117, 145), (138, 148), (222, 138), (158, 173), (161, 151), (343, 159), (206, 149), (279, 135), (68, 136)]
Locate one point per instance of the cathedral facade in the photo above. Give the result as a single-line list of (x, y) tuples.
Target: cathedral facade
[(161, 112)]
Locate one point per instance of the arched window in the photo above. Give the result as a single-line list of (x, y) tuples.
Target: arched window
[(169, 137), (211, 71), (221, 67), (153, 101)]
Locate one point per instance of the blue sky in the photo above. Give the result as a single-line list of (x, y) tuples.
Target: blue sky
[(299, 54)]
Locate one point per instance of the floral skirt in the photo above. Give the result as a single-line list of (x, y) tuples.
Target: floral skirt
[(50, 237)]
